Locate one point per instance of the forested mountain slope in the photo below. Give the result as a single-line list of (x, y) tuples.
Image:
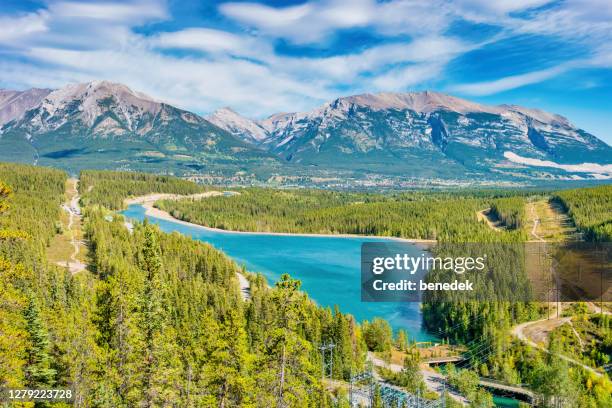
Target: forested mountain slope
[(156, 320)]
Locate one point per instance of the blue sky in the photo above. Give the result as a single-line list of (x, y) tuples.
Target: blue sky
[(265, 57)]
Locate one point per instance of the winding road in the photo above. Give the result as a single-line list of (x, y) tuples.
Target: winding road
[(519, 333), (536, 222), (73, 209)]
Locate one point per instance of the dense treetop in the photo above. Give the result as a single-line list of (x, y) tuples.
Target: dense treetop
[(591, 210)]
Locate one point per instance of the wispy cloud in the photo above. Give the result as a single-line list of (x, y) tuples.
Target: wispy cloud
[(315, 20), (19, 28), (580, 23), (213, 41), (238, 62), (509, 82), (132, 12)]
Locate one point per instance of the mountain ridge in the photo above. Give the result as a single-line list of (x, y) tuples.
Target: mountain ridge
[(103, 124), (422, 102), (420, 135), (429, 124), (13, 104)]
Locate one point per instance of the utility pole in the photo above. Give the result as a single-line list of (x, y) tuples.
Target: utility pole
[(324, 347), (444, 395), (351, 387)]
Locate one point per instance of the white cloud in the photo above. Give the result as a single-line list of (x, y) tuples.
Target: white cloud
[(213, 41), (113, 11), (304, 23), (315, 20), (20, 27), (372, 62), (509, 82), (574, 19), (492, 10)]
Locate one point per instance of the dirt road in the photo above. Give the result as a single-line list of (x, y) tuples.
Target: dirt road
[(73, 209)]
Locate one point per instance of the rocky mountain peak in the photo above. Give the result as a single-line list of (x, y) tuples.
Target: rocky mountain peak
[(90, 101), (422, 102), (13, 104), (247, 129)]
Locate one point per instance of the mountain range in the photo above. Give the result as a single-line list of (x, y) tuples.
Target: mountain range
[(376, 137), (107, 125)]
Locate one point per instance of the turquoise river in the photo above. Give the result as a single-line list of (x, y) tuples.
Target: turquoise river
[(329, 267)]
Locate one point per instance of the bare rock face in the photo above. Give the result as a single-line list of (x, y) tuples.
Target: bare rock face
[(13, 104), (247, 129), (428, 129), (103, 106)]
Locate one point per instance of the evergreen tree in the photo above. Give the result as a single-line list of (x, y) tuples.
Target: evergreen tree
[(401, 340), (410, 376), (160, 369), (38, 371), (230, 364), (378, 335)]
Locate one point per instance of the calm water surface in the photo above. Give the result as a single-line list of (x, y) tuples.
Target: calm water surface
[(329, 267)]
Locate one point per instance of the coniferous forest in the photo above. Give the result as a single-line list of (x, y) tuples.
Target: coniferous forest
[(590, 208), (159, 320), (449, 217)]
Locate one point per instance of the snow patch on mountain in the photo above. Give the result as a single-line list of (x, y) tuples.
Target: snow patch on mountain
[(594, 168)]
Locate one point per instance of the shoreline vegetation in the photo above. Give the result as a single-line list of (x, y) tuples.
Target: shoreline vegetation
[(148, 203), (411, 216)]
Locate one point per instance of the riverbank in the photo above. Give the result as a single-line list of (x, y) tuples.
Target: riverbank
[(148, 202), (152, 198)]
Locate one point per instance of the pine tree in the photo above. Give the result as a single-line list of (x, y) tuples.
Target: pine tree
[(401, 341), (160, 369), (38, 371), (230, 364)]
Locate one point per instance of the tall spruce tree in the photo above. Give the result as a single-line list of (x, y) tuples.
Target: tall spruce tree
[(38, 371)]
